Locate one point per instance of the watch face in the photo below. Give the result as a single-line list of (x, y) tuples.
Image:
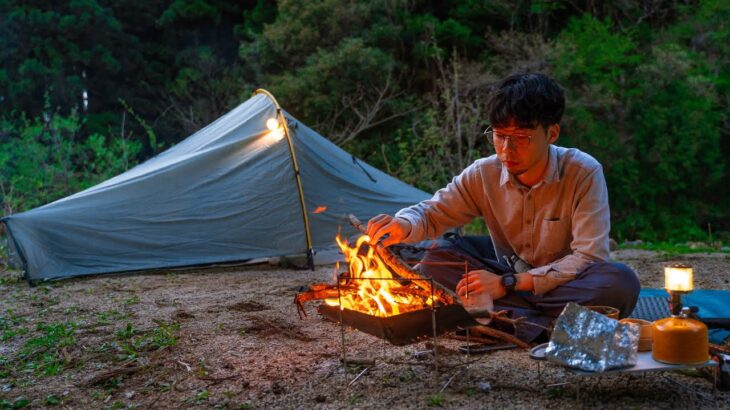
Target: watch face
[(509, 280)]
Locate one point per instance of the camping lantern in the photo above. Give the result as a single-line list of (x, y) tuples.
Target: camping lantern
[(679, 339), (272, 124), (677, 281)]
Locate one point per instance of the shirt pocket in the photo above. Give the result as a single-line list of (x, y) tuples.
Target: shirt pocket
[(554, 237)]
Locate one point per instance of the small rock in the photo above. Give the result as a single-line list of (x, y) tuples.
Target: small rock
[(612, 244), (129, 394), (484, 387)]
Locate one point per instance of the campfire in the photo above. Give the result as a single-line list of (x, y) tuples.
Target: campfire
[(382, 295), (372, 288)]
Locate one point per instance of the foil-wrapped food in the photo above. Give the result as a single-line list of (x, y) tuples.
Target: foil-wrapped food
[(590, 341)]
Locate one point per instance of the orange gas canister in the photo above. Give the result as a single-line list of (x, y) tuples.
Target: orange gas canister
[(680, 340)]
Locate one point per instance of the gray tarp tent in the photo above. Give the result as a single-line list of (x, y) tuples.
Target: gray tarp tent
[(227, 193)]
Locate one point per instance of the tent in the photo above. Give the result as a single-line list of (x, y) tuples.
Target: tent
[(255, 183)]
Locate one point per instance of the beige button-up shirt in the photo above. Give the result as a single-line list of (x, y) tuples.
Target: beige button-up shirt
[(560, 225)]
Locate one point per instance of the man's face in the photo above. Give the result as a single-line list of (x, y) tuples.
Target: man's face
[(518, 158)]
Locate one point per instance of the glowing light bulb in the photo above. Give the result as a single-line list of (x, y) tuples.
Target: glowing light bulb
[(678, 278), (272, 124)]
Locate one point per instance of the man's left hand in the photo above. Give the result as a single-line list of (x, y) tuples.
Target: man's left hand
[(481, 281)]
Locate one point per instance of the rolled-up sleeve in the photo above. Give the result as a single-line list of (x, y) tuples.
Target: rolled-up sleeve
[(450, 207), (591, 224)]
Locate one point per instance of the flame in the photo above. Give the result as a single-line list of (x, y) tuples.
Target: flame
[(320, 209), (376, 295)]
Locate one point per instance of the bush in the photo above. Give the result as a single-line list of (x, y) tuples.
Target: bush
[(44, 159)]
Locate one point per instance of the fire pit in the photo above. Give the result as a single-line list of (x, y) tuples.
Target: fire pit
[(383, 296), (406, 328)]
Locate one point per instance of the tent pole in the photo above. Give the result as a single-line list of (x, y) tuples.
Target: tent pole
[(282, 121)]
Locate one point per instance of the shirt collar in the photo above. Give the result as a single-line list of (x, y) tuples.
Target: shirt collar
[(551, 175)]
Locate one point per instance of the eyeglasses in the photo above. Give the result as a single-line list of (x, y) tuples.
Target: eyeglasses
[(498, 139)]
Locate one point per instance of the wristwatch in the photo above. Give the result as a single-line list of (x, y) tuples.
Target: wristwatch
[(509, 281)]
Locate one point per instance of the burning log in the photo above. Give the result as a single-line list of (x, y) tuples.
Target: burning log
[(320, 291), (400, 268)]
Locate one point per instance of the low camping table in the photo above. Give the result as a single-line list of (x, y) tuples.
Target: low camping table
[(644, 363)]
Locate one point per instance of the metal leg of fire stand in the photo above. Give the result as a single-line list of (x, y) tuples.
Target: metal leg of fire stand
[(342, 334), (468, 343), (435, 345)]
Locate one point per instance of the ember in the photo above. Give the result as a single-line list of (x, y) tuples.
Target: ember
[(377, 291)]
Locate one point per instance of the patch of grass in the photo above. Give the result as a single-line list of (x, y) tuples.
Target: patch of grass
[(668, 249), (71, 310), (42, 353), (52, 400), (165, 335), (126, 332), (199, 398), (19, 403), (119, 405), (112, 384), (132, 342), (4, 367), (202, 396), (10, 326), (437, 400), (132, 300), (353, 399), (112, 315), (9, 279)]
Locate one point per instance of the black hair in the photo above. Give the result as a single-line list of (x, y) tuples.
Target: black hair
[(530, 99)]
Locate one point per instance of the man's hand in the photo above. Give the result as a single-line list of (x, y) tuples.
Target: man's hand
[(396, 229), (481, 281)]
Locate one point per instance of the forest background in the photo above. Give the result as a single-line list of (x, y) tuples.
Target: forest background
[(89, 88)]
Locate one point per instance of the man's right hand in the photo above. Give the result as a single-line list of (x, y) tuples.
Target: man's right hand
[(396, 228)]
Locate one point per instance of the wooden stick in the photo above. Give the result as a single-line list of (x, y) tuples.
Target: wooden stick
[(400, 268), (474, 339), (498, 334)]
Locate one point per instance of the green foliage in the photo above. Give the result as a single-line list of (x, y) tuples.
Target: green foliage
[(132, 342), (674, 249), (52, 400), (652, 118), (11, 326), (42, 160), (18, 403), (125, 333), (42, 354), (437, 400)]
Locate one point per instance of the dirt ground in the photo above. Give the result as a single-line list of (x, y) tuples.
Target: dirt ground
[(231, 338)]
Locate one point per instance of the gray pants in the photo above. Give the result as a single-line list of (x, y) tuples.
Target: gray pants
[(602, 283)]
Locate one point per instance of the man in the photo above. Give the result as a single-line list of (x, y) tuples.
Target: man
[(546, 208)]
